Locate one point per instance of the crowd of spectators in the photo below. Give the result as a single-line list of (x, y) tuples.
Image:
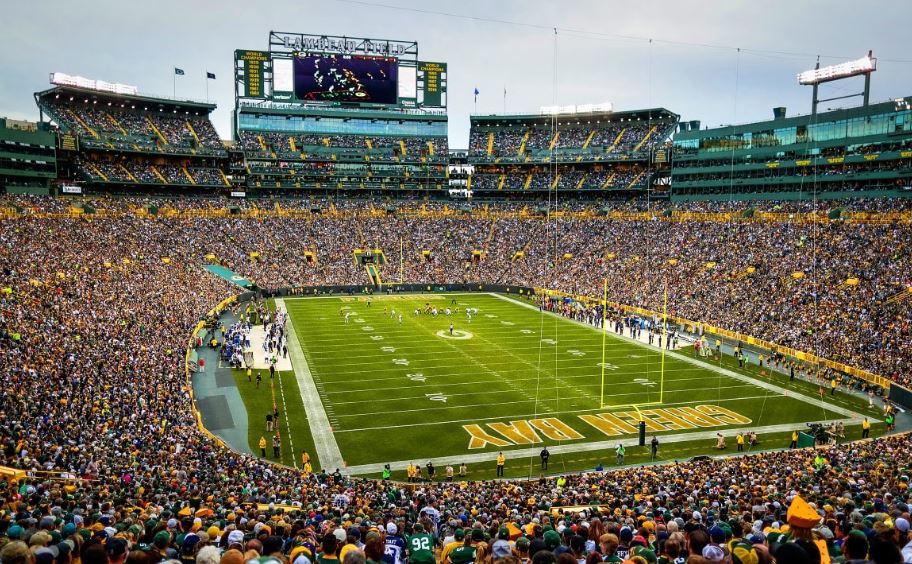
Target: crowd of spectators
[(321, 147), (124, 126), (785, 281), (95, 403), (567, 178), (131, 171), (612, 138)]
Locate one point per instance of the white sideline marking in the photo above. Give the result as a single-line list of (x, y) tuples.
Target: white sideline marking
[(607, 446), (717, 369), (327, 449)]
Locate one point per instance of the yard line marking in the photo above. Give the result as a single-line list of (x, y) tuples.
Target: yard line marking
[(294, 458), (636, 382), (718, 369), (325, 444), (483, 381), (606, 408), (609, 445)]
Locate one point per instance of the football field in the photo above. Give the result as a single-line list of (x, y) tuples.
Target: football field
[(369, 388)]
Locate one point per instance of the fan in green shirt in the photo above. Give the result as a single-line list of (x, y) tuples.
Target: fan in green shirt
[(466, 554), (420, 546)]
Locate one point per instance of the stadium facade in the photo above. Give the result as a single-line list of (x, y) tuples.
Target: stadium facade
[(28, 157), (316, 114), (835, 154)]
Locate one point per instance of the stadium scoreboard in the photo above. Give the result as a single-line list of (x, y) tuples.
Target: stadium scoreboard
[(334, 70), (252, 68), (432, 83)]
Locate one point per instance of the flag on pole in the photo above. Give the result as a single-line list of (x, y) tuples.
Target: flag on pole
[(210, 75), (178, 72), (476, 92)]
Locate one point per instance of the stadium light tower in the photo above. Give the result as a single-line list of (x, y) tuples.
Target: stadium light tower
[(863, 66)]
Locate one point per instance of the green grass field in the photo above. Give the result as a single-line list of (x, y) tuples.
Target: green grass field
[(513, 379)]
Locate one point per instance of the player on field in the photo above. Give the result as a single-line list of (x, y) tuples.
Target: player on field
[(451, 329)]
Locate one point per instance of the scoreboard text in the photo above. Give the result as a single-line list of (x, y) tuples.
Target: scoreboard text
[(254, 67)]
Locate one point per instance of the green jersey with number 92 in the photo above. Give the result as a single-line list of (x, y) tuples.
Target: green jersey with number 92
[(421, 549)]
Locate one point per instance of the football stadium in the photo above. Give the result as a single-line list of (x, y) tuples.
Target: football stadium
[(350, 316)]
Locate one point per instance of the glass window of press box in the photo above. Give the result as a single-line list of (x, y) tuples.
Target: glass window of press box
[(340, 126), (880, 124)]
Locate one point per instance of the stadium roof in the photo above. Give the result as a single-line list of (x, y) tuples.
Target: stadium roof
[(806, 119), (154, 102), (655, 114)]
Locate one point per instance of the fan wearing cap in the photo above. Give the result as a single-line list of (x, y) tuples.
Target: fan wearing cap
[(802, 519), (352, 542), (458, 540), (420, 546), (502, 546), (466, 553), (117, 550), (394, 552)]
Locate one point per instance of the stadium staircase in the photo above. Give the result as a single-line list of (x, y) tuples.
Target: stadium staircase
[(522, 146), (617, 139), (374, 274), (157, 132), (555, 181), (79, 120), (609, 180), (900, 296), (490, 236), (430, 145), (589, 139), (262, 142), (224, 178), (192, 131), (646, 138), (187, 174), (636, 179), (369, 142), (97, 172), (158, 174), (553, 140), (402, 147), (490, 143), (502, 181), (581, 180), (128, 173), (117, 124), (291, 143), (527, 182)]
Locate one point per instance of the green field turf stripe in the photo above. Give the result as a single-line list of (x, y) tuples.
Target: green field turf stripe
[(375, 400), (609, 445), (325, 445), (517, 415), (373, 389), (731, 374)]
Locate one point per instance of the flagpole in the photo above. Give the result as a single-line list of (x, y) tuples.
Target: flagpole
[(207, 87), (174, 82), (505, 99)]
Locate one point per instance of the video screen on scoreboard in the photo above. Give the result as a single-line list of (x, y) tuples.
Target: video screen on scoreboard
[(346, 78)]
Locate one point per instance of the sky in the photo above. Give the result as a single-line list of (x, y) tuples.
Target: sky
[(601, 50)]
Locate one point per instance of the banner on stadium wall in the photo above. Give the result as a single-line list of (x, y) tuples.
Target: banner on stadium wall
[(229, 275)]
